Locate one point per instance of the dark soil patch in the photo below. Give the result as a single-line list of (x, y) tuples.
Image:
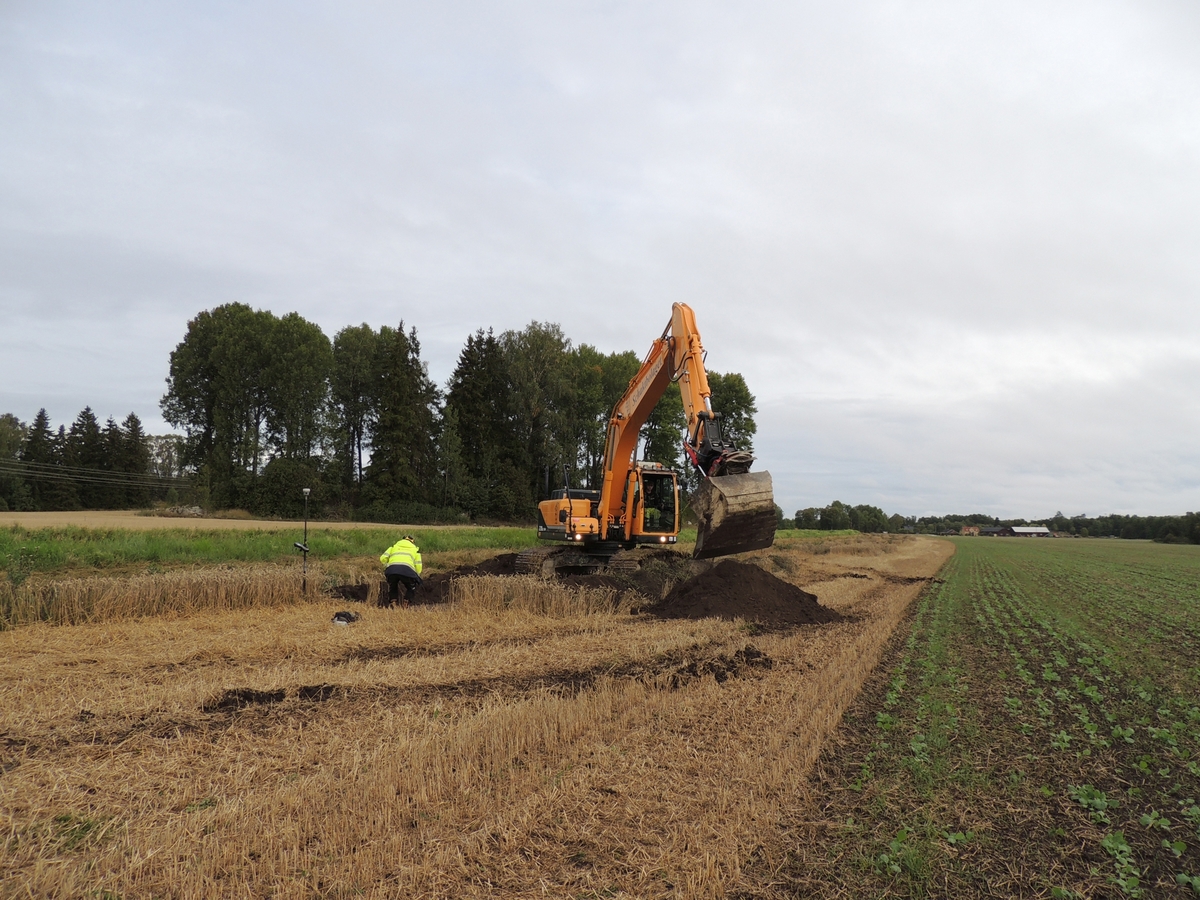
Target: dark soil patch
[(737, 590), (504, 564), (318, 693), (240, 698), (249, 708), (436, 588), (357, 592)]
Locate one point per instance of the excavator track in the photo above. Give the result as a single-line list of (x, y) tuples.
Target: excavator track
[(533, 561), (550, 562), (624, 563)]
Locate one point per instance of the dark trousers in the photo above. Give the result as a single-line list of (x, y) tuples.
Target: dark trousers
[(397, 574)]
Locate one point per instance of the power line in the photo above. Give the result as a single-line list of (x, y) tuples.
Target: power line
[(84, 470), (41, 472)]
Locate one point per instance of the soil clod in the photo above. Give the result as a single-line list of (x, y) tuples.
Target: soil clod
[(240, 698)]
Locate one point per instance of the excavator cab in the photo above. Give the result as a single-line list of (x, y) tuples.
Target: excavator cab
[(650, 515), (660, 503), (651, 505)]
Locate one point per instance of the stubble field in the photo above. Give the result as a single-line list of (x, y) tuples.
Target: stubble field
[(523, 740)]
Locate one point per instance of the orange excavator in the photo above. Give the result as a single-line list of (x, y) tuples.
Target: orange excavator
[(638, 503)]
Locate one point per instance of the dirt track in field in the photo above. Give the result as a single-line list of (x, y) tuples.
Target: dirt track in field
[(433, 751)]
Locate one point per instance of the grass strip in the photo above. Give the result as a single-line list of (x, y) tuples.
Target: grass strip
[(26, 551)]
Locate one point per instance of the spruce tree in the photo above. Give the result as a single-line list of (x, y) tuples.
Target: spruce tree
[(134, 459), (403, 469), (113, 495), (14, 491), (63, 489), (38, 451), (84, 454)]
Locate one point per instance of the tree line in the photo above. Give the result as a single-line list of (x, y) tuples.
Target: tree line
[(86, 466), (269, 404), (1179, 529), (1176, 529), (838, 516)]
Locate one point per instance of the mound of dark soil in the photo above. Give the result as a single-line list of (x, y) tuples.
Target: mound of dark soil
[(732, 590)]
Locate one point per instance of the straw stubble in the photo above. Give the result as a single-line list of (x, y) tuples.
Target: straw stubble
[(527, 740)]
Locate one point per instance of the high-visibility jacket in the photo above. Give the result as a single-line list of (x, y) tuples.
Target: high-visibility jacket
[(402, 553)]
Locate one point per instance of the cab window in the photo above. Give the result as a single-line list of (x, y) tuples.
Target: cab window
[(658, 506)]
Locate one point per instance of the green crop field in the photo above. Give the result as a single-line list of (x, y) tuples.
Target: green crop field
[(1035, 733)]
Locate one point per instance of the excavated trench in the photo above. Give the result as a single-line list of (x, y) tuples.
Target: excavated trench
[(689, 589)]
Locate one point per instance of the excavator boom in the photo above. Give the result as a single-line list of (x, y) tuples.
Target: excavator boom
[(735, 510)]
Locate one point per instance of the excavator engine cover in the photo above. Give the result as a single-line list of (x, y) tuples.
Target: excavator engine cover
[(734, 513)]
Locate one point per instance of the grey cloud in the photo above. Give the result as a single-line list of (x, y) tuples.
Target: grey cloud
[(899, 221)]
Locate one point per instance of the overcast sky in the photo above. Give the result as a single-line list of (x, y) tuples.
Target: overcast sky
[(951, 246)]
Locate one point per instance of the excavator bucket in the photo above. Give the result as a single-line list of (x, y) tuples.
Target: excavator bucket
[(734, 513)]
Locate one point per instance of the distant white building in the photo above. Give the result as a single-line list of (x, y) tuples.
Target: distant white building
[(1031, 531), (1017, 531)]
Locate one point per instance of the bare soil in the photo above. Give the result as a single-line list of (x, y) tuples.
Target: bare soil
[(668, 585), (738, 590)]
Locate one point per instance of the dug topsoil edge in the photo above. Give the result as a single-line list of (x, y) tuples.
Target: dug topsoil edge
[(729, 590)]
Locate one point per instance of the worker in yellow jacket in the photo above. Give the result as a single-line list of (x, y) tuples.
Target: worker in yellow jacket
[(402, 563)]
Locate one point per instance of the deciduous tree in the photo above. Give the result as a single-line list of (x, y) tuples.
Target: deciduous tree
[(299, 359), (350, 387), (542, 390), (14, 490)]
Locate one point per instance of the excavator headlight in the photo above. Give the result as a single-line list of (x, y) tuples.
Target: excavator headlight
[(663, 539), (579, 537)]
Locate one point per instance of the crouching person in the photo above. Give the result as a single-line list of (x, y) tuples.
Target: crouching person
[(402, 563)]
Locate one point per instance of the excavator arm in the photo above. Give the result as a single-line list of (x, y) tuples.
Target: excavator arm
[(735, 509)]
